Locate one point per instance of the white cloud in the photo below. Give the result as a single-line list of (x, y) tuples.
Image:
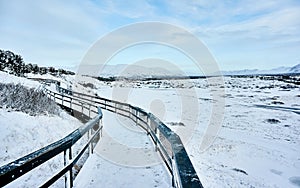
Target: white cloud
[(276, 25), (62, 31), (49, 32), (130, 9)]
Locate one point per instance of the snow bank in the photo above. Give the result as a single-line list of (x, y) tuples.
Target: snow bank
[(8, 78), (22, 134)]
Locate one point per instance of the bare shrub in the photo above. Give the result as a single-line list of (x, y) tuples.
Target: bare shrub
[(28, 100)]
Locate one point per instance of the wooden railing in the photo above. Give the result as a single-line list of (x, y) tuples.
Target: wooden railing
[(92, 129), (167, 142)]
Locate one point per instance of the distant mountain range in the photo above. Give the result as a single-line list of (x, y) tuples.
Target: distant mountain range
[(279, 70), (128, 71), (138, 71)]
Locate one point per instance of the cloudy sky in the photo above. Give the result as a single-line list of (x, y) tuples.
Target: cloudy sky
[(239, 34)]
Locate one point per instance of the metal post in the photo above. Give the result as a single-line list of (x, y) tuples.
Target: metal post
[(173, 182), (92, 147), (90, 111), (71, 170), (71, 177), (88, 138), (129, 112), (148, 127), (70, 153), (136, 118), (173, 170), (156, 140), (92, 142), (70, 103), (65, 163), (100, 126)]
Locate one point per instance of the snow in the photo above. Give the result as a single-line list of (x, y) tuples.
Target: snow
[(8, 78), (141, 69), (99, 172), (248, 141), (255, 147), (22, 134), (127, 140), (44, 76), (278, 70)]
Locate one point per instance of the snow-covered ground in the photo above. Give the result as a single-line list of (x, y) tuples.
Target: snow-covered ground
[(22, 134), (105, 168), (7, 78), (255, 147)]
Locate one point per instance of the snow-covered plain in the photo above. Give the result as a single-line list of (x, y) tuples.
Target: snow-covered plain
[(22, 134), (255, 147)]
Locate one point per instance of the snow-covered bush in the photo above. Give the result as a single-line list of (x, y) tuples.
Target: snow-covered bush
[(31, 101)]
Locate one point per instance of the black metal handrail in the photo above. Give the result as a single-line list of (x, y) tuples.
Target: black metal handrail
[(21, 166), (167, 142)]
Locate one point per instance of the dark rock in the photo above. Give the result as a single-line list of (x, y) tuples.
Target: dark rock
[(239, 170), (273, 121), (277, 102)]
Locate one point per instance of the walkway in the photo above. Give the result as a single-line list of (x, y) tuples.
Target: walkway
[(124, 157)]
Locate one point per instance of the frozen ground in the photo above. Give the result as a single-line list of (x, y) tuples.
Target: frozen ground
[(7, 78), (255, 147), (104, 167), (22, 134)]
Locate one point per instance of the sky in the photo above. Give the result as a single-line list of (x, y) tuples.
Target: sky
[(239, 34)]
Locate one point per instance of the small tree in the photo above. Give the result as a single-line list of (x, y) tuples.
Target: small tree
[(28, 68), (35, 69), (43, 70), (61, 71), (51, 70)]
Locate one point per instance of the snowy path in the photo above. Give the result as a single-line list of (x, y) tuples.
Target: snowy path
[(259, 134), (124, 157)]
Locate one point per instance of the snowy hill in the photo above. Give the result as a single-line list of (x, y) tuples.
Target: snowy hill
[(295, 69), (128, 71), (279, 70), (142, 71)]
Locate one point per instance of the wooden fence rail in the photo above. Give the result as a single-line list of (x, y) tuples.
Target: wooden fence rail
[(167, 142), (23, 165)]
